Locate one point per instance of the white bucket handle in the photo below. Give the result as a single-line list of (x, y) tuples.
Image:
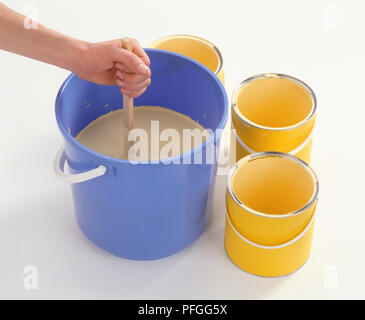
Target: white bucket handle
[(293, 152), (59, 164)]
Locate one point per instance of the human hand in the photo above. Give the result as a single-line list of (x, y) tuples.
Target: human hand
[(107, 63)]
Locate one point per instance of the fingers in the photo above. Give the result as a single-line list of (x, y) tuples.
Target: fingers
[(138, 50), (133, 74), (132, 94), (130, 62), (134, 84), (131, 78)]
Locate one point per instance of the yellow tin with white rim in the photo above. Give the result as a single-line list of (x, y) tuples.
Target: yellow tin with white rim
[(194, 47), (273, 112), (270, 201)]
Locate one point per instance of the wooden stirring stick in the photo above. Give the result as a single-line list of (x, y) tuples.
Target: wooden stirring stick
[(127, 101), (128, 117)]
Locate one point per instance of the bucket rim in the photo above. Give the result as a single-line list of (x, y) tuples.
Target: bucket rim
[(257, 155), (194, 37), (273, 75), (101, 158)]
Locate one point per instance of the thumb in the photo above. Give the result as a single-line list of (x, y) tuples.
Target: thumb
[(132, 63)]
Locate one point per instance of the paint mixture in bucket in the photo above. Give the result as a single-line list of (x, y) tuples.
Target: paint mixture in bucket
[(165, 133)]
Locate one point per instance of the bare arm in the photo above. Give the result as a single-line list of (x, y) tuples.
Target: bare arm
[(105, 63)]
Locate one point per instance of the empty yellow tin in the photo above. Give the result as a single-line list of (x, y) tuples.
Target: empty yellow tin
[(271, 200), (273, 112), (194, 47)]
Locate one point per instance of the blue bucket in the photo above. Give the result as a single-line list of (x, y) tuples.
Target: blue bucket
[(147, 210)]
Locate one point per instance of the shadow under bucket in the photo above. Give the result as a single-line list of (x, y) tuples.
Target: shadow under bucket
[(146, 210)]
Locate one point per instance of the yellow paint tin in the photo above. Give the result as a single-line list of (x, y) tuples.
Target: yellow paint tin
[(271, 200), (194, 47), (273, 112)]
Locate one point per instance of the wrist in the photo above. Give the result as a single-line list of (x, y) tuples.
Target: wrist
[(77, 56)]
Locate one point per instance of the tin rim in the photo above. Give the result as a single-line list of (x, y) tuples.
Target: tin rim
[(253, 156), (273, 75), (193, 37)]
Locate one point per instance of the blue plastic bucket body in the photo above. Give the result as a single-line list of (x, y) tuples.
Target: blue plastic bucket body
[(145, 211)]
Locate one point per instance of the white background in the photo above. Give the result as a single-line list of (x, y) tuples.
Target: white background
[(320, 42)]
